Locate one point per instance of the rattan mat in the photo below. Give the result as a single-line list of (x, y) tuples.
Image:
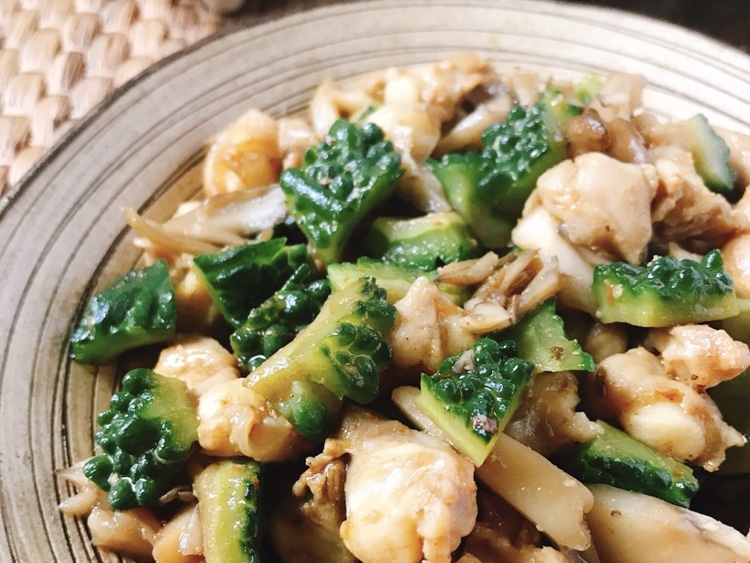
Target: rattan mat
[(60, 58)]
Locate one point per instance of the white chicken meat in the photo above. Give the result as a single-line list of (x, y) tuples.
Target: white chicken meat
[(699, 355), (199, 361), (409, 496), (684, 208), (664, 413), (428, 328), (235, 420), (579, 194)]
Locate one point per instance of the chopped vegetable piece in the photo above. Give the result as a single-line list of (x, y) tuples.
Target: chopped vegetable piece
[(614, 458), (339, 354), (241, 278), (136, 310), (473, 395), (541, 339), (665, 292), (276, 321), (146, 436), (425, 242), (630, 527), (394, 278), (341, 180), (587, 90), (229, 499), (489, 188), (711, 155)]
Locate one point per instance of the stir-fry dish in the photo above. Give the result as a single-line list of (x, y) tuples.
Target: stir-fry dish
[(450, 314)]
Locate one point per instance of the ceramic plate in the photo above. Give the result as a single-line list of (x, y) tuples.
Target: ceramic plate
[(62, 234)]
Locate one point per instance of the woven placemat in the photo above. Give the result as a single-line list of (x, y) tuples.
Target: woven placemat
[(60, 58)]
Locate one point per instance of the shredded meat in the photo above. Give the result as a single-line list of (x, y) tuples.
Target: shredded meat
[(539, 230), (503, 534), (323, 486)]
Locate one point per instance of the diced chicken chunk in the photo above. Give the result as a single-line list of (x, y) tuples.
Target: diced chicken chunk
[(440, 87), (411, 128), (620, 95), (664, 413), (547, 418), (699, 355), (295, 137), (579, 193), (331, 102), (428, 328), (244, 155), (660, 133), (199, 361), (525, 85), (415, 133), (129, 532), (410, 497), (416, 101), (684, 208), (235, 420), (172, 543)]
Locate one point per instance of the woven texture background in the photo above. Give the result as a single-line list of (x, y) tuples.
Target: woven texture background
[(59, 58)]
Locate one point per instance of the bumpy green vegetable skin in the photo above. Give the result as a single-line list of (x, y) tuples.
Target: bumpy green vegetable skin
[(229, 499), (394, 278), (146, 436), (614, 458), (473, 395), (241, 278), (541, 339), (339, 354), (341, 181), (276, 321), (425, 242), (711, 155), (490, 188), (136, 310), (665, 292)]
